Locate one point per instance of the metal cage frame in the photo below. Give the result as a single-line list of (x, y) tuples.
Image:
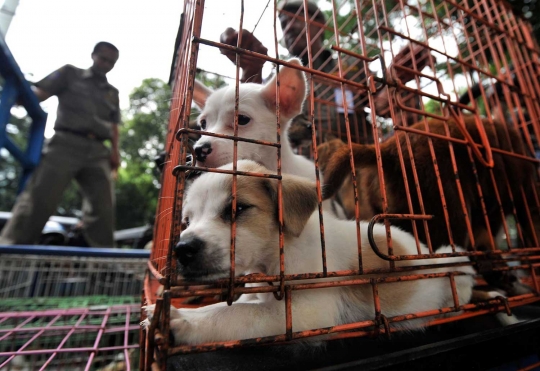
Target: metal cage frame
[(488, 36)]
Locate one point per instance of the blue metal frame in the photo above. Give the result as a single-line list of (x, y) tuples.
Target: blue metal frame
[(74, 251), (17, 89)]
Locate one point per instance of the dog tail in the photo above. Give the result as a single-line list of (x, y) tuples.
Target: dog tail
[(339, 166)]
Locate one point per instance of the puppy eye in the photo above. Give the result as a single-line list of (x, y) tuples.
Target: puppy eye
[(243, 120), (240, 209), (185, 223), (202, 124)]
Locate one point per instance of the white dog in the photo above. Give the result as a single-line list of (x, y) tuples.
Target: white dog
[(257, 119), (204, 248)]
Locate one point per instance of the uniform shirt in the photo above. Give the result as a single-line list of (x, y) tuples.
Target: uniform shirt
[(88, 104)]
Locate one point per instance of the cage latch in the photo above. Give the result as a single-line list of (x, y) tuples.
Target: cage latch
[(504, 301), (381, 320)]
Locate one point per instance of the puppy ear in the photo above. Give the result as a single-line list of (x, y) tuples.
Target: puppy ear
[(200, 93), (292, 90), (299, 201)]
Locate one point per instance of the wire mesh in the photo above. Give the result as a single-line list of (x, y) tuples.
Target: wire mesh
[(443, 97), (69, 312), (70, 339), (31, 276)]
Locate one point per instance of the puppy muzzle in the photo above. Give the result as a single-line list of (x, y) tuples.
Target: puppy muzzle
[(196, 262), (202, 151), (189, 251)]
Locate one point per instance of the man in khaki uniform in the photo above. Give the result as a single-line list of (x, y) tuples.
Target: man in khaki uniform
[(87, 117)]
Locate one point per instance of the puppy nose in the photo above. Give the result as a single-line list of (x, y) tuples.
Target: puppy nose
[(188, 250), (202, 151)]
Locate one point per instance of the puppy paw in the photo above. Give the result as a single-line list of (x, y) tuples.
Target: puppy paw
[(145, 323), (503, 318), (506, 320), (149, 309)]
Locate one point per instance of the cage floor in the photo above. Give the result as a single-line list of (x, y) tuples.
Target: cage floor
[(93, 338), (475, 344)]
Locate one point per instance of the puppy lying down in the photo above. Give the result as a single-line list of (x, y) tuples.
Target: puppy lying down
[(204, 248)]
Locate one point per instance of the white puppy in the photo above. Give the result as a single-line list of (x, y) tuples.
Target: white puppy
[(204, 248), (257, 119)]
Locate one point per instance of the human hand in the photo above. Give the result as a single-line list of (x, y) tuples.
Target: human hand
[(421, 56), (114, 160), (251, 65)]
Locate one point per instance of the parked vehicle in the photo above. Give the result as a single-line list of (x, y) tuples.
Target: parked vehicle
[(59, 230), (134, 238), (67, 231)]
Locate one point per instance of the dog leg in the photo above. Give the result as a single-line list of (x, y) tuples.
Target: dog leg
[(251, 319), (149, 309), (220, 322), (503, 318)]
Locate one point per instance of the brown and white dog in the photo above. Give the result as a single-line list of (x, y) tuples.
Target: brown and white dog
[(203, 254), (518, 172)]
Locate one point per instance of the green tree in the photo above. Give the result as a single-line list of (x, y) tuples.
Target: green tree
[(10, 171), (142, 138)]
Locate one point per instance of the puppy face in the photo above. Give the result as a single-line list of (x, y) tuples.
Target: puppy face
[(256, 117), (203, 252)]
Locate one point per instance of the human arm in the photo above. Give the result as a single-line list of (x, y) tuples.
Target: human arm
[(115, 152), (53, 84), (412, 52), (251, 66), (40, 93)]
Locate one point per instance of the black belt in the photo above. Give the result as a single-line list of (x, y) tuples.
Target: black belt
[(83, 134)]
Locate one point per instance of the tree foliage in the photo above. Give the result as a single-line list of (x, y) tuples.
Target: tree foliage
[(392, 10), (530, 10), (142, 138), (10, 171)]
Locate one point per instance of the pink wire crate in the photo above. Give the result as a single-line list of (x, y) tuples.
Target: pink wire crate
[(70, 339)]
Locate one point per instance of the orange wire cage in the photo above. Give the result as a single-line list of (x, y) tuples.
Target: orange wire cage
[(399, 74)]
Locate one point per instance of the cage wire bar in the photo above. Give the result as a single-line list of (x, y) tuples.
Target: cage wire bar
[(28, 277), (66, 308), (464, 60), (70, 339)]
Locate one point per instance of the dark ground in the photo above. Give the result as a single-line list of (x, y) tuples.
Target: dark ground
[(478, 343)]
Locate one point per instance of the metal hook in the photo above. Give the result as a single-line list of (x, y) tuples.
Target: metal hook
[(377, 217), (504, 301), (192, 162), (382, 318)]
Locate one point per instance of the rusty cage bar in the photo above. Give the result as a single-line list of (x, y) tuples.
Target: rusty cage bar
[(403, 72)]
